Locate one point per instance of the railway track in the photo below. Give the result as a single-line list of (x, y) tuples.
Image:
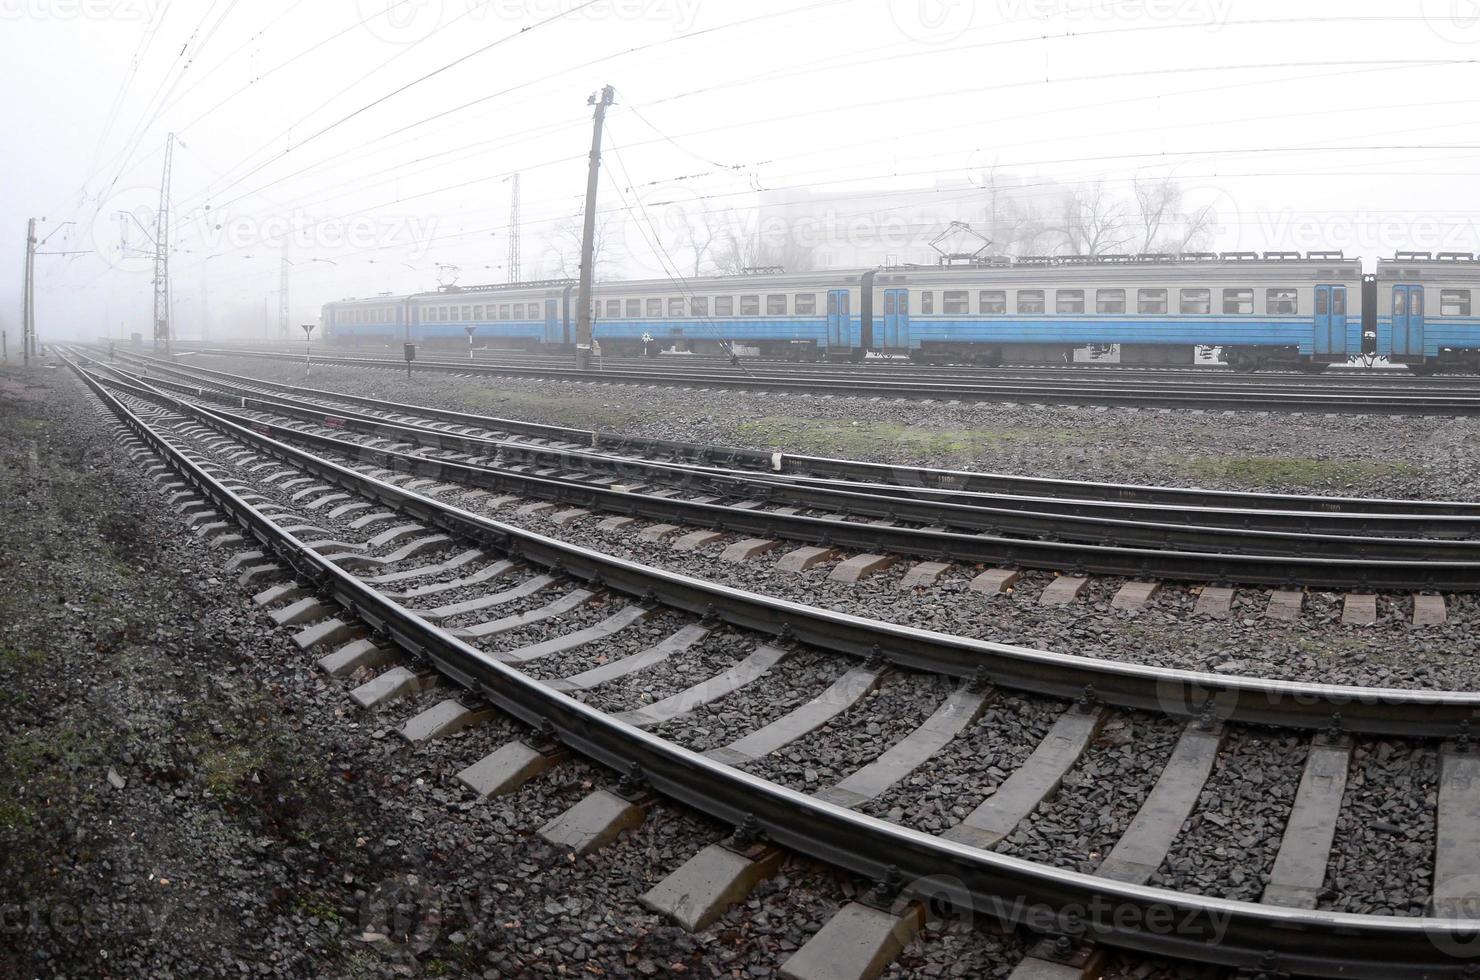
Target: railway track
[(1076, 390), (1287, 541), (398, 575), (1335, 376)]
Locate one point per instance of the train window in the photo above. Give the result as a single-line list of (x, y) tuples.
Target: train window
[(955, 301), (1454, 302), (1338, 302), (1238, 301), (519, 313), (699, 305), (1417, 309), (832, 304), (1323, 302), (724, 306), (1030, 301), (805, 304), (503, 311), (634, 307), (1068, 301), (613, 308), (992, 301), (443, 314), (675, 306), (889, 301), (1399, 307), (467, 312), (1109, 300), (1151, 301), (1282, 301), (775, 304), (477, 313), (655, 307), (927, 302), (1197, 301), (750, 306)]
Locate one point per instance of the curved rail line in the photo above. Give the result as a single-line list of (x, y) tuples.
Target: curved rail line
[(1073, 392), (909, 479), (1207, 930), (1236, 555)]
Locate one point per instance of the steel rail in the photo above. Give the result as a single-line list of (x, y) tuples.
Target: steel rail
[(1149, 920), (909, 478), (1073, 394), (1299, 569), (1350, 551), (1341, 379), (1041, 514), (1169, 691)]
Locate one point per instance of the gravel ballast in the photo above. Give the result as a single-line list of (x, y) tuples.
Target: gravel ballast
[(175, 770)]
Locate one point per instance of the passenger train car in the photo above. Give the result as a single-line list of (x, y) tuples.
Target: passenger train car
[(1276, 309), (1424, 310)]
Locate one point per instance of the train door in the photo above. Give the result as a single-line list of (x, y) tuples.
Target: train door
[(896, 319), (1330, 335), (553, 327), (838, 320), (1408, 321)]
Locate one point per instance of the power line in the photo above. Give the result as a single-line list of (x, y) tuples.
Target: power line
[(399, 90)]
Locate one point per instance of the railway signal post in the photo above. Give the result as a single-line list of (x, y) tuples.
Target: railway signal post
[(600, 100), (308, 349), (469, 331)]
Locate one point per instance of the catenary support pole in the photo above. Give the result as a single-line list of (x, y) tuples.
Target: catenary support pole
[(588, 232)]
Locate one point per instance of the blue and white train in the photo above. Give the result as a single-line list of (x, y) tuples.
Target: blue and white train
[(1276, 309)]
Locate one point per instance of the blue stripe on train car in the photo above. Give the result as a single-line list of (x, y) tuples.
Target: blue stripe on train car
[(1456, 331), (1215, 330), (739, 329), (517, 329)]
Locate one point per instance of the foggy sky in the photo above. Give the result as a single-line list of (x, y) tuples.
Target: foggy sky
[(1302, 125)]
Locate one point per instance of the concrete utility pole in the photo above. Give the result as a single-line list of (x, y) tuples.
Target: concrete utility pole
[(601, 100), (162, 252), (28, 298), (28, 294)]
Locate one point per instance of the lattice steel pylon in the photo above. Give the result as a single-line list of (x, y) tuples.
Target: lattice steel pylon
[(162, 252), (513, 264), (283, 295)]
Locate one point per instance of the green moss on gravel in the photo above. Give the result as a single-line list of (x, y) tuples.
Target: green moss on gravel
[(1293, 471), (883, 439)]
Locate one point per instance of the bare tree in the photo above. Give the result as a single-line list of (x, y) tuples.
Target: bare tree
[(563, 248), (1092, 221), (1015, 222), (703, 235), (740, 248), (1167, 225)]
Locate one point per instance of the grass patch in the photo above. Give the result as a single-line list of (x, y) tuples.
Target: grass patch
[(872, 439), (35, 767), (574, 411), (1293, 471), (223, 769)]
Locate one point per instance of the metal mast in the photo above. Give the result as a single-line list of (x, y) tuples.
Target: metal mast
[(283, 296), (601, 100), (28, 308), (162, 252), (513, 263)]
